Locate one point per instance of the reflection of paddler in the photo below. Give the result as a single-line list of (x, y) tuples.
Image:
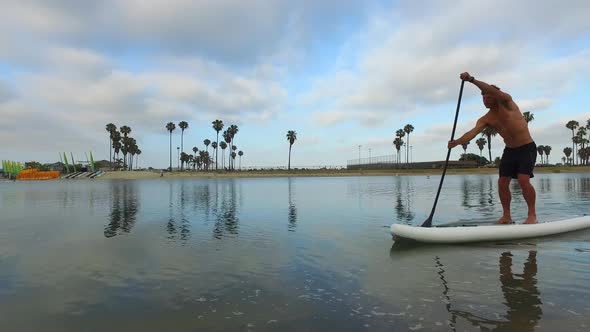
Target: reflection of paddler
[(521, 294), (522, 298)]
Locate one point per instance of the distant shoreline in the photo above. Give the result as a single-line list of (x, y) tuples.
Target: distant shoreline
[(131, 175)]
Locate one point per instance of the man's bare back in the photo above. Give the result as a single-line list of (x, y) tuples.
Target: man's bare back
[(508, 121)]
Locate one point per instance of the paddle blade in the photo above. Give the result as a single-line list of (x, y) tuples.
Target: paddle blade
[(427, 222)]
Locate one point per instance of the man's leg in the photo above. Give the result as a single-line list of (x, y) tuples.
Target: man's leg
[(505, 198), (529, 196)]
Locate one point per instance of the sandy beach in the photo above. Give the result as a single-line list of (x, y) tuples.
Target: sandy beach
[(130, 175)]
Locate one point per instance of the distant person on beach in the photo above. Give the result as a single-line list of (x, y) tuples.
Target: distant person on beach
[(520, 153)]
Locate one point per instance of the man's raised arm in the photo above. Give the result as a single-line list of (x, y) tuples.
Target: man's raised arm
[(486, 88)]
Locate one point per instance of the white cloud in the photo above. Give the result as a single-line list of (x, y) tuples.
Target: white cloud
[(534, 105), (410, 57), (6, 92)]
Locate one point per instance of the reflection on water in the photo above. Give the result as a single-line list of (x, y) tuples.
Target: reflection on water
[(521, 295), (219, 255), (403, 198), (478, 193), (124, 207), (292, 208)]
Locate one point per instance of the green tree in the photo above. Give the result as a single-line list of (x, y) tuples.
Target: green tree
[(240, 153), (217, 126), (568, 152), (291, 137), (170, 126), (473, 157)]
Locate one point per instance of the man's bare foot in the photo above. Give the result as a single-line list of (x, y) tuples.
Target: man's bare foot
[(531, 220), (504, 221)]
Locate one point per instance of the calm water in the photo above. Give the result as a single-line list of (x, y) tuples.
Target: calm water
[(288, 254)]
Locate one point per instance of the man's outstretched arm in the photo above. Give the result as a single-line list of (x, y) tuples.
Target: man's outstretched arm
[(468, 136)]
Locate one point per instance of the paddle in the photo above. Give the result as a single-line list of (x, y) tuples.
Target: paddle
[(428, 222)]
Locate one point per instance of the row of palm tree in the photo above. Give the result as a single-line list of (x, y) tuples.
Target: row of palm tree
[(580, 156), (398, 142), (124, 144), (203, 159)]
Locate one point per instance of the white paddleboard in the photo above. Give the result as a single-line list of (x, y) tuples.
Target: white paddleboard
[(463, 234)]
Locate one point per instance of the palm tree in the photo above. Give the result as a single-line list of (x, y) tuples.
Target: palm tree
[(137, 153), (582, 134), (481, 142), (214, 146), (489, 132), (568, 152), (291, 137), (400, 133), (183, 125), (125, 130), (207, 142), (528, 117), (398, 143), (540, 151), (586, 153), (183, 159), (408, 129), (170, 126), (126, 148), (227, 138), (547, 150), (116, 138), (240, 153), (572, 125), (233, 156), (463, 145), (111, 128), (218, 126), (232, 131), (223, 146)]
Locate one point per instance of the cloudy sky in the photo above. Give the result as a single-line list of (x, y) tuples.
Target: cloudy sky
[(341, 73)]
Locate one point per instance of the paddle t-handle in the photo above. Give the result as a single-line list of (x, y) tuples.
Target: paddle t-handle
[(428, 221)]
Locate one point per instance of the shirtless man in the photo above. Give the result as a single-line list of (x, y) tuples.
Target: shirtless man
[(520, 153)]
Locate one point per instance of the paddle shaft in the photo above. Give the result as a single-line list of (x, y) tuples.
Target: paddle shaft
[(428, 222)]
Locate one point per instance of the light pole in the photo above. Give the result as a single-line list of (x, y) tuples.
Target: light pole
[(360, 154)]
